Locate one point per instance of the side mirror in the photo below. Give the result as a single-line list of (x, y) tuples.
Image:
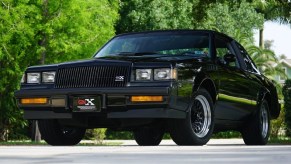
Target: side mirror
[(228, 58)]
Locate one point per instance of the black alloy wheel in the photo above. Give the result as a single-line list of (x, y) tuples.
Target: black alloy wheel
[(198, 126), (257, 130)]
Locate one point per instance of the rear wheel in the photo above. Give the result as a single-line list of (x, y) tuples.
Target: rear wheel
[(149, 136), (257, 130), (197, 128), (56, 134)]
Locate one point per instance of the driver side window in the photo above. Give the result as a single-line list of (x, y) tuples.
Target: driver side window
[(224, 53)]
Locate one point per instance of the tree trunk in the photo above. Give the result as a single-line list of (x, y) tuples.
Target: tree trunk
[(42, 59), (36, 136), (37, 132), (261, 41), (3, 134), (43, 41)]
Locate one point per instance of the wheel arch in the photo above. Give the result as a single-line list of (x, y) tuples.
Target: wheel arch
[(203, 81), (273, 106)]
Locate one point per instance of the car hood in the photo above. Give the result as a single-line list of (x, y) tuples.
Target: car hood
[(157, 58), (124, 61)]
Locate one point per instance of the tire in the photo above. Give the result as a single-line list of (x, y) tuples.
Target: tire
[(197, 127), (257, 130), (57, 135), (148, 136)]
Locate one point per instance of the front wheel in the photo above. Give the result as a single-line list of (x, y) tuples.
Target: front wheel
[(198, 126), (55, 134), (257, 130)]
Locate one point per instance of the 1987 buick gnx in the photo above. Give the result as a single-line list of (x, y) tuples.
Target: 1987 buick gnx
[(190, 83)]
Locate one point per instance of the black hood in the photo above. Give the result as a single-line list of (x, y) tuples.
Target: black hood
[(123, 61), (156, 58), (93, 62)]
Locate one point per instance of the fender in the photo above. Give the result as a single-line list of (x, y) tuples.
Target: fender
[(203, 80), (263, 93), (274, 106)]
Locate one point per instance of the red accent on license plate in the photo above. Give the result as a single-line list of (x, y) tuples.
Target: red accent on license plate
[(81, 102)]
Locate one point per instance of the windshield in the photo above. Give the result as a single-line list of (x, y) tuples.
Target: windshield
[(157, 43)]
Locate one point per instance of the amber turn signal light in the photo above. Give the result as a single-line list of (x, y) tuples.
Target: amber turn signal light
[(34, 101), (146, 98)]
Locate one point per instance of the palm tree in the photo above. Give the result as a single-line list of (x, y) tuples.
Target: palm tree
[(268, 64), (273, 10), (282, 56), (266, 61)]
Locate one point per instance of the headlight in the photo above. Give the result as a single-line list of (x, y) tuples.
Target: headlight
[(162, 74), (165, 74), (143, 74), (33, 77), (48, 77)]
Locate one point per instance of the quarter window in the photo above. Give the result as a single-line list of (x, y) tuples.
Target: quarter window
[(250, 65)]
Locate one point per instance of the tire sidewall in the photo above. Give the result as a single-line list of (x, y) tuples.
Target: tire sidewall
[(264, 139), (206, 138)]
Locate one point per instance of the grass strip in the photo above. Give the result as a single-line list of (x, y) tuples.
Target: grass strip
[(280, 141), (43, 143)]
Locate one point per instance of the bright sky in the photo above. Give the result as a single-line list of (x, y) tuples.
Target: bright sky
[(281, 34)]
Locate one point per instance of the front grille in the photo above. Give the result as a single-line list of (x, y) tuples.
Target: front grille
[(92, 77)]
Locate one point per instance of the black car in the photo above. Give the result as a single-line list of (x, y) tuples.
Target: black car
[(190, 83)]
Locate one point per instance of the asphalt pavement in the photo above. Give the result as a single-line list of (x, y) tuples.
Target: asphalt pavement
[(216, 151)]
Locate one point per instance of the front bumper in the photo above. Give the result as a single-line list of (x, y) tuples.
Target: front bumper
[(115, 103)]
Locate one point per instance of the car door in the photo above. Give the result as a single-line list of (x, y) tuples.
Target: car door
[(234, 100)]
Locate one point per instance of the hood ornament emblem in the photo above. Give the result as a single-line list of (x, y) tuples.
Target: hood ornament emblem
[(119, 78)]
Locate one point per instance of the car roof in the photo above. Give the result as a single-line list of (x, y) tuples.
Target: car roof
[(176, 31)]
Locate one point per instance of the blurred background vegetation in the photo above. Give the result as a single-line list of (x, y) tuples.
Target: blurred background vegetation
[(52, 31)]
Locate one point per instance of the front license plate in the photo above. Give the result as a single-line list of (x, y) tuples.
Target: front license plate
[(87, 104)]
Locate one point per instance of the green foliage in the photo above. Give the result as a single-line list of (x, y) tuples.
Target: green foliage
[(125, 135), (279, 140), (19, 133), (232, 19), (267, 61), (141, 15), (228, 134), (287, 106), (166, 136), (274, 10), (34, 32), (97, 135), (277, 125), (75, 29), (227, 17), (17, 36)]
